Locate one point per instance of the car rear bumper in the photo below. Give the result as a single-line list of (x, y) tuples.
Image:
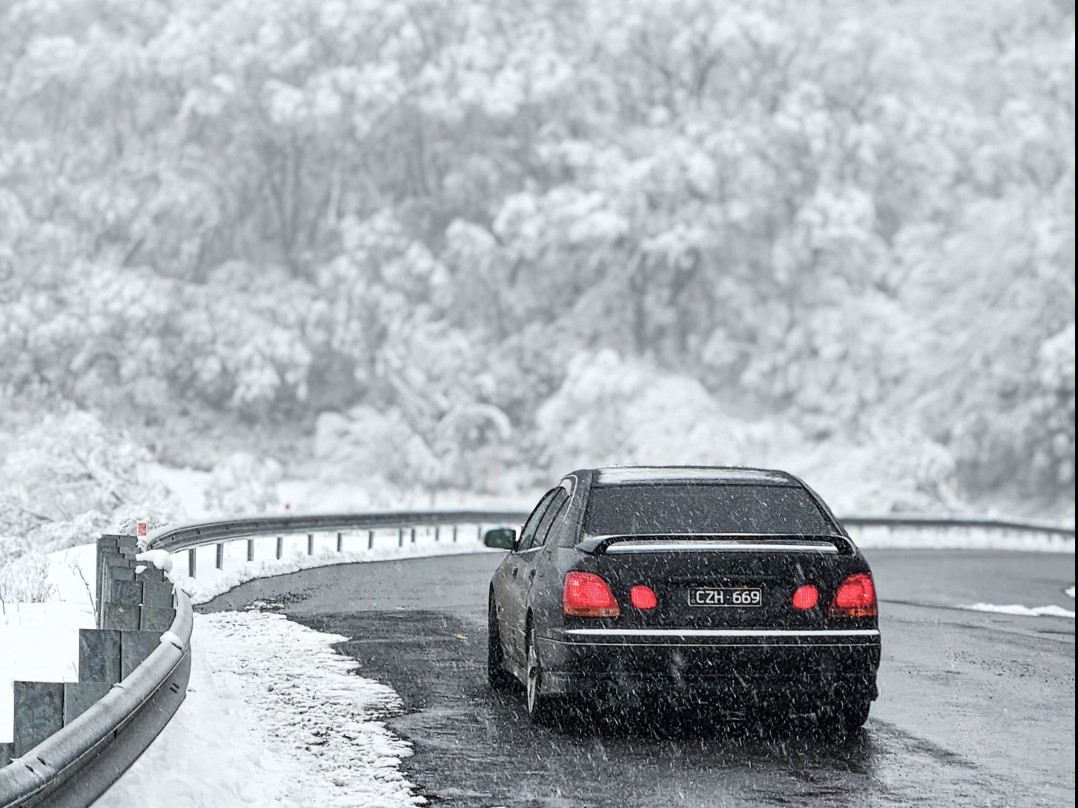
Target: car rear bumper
[(790, 664)]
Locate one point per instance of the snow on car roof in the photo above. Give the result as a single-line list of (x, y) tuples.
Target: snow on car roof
[(628, 475)]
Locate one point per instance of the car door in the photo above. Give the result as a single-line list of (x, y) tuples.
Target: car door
[(536, 570), (511, 586)]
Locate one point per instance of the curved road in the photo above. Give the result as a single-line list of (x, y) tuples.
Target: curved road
[(975, 708)]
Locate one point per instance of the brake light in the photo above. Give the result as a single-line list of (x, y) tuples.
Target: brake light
[(856, 597), (643, 597), (588, 595), (806, 597)]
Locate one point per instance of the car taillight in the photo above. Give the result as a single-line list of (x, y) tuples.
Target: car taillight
[(856, 597), (643, 597), (806, 597), (588, 595)]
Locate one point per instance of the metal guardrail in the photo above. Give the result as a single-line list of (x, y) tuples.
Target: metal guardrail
[(952, 522), (72, 768), (221, 532)]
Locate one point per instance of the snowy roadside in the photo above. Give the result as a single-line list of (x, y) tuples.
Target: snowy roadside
[(960, 539), (39, 642), (274, 717)]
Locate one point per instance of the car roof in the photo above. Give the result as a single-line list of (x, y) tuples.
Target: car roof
[(715, 475)]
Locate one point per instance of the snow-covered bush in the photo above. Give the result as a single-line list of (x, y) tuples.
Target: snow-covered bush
[(370, 445), (1052, 413), (25, 579), (68, 478), (889, 470), (612, 410), (243, 483)]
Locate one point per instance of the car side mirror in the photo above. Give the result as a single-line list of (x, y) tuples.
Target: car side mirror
[(500, 538)]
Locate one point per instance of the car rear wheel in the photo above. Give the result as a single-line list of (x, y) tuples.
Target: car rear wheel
[(853, 714), (846, 717), (498, 677), (541, 708)]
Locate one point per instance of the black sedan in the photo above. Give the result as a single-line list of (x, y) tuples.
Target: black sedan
[(732, 585)]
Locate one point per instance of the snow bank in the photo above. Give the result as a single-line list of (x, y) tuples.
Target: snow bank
[(1069, 591), (39, 642), (959, 539), (1021, 611), (274, 718)]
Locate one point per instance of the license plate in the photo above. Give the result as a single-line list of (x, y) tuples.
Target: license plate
[(726, 596)]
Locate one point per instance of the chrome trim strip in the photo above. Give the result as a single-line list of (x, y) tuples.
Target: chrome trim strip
[(721, 632), (718, 547)]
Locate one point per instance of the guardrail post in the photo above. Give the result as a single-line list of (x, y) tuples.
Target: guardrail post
[(280, 547), (400, 536), (220, 555), (454, 534), (191, 563), (413, 536), (340, 541), (370, 539), (250, 549), (310, 544), (437, 533), (479, 533)]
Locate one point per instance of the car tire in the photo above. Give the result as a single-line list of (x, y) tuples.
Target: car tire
[(853, 714), (541, 707), (498, 677), (846, 717)]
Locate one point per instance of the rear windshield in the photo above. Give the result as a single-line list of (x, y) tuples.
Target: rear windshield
[(682, 508)]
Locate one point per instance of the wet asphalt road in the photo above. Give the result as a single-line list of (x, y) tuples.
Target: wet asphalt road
[(975, 708)]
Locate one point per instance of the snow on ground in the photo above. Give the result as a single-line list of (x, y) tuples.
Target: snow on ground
[(274, 718), (1069, 591), (39, 642), (1021, 611)]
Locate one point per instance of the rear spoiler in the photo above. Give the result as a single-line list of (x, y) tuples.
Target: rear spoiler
[(724, 543)]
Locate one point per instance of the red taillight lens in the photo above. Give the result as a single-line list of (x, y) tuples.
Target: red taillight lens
[(806, 597), (856, 597), (588, 595), (643, 597)]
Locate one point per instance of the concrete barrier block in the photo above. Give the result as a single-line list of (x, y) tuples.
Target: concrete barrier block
[(125, 592), (81, 696), (39, 712), (114, 572), (135, 646), (151, 575), (156, 619), (99, 656), (157, 595), (122, 616), (7, 752)]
